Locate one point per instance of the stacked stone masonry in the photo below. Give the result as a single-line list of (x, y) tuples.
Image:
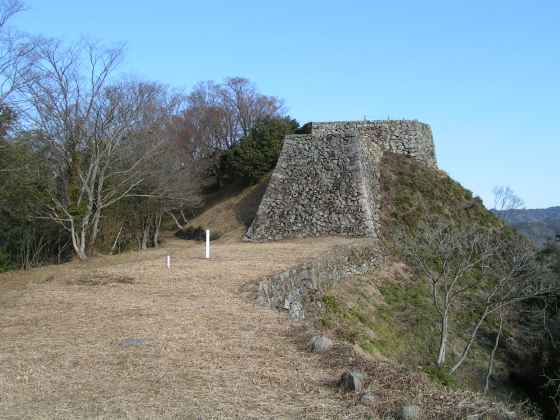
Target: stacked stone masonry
[(299, 289), (326, 182)]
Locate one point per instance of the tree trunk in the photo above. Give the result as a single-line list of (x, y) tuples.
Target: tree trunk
[(83, 236), (470, 342), (59, 251), (77, 243), (444, 337), (145, 236), (115, 243), (493, 355), (219, 181), (95, 228), (157, 226), (179, 225), (80, 250), (185, 220)]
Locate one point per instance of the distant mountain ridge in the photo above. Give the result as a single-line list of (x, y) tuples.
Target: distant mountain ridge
[(539, 225)]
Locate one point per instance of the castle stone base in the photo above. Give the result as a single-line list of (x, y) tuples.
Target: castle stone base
[(326, 181)]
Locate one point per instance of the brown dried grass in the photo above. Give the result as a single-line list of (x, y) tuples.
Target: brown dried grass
[(200, 347), (394, 386), (230, 216), (209, 351)]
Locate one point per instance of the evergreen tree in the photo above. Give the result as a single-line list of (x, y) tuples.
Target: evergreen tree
[(257, 153)]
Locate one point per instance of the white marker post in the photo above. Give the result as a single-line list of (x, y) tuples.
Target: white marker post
[(168, 262), (207, 243)]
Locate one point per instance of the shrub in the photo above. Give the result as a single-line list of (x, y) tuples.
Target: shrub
[(5, 263), (192, 233), (257, 153)]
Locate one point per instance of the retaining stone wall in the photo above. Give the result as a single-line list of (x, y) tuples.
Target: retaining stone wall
[(299, 288)]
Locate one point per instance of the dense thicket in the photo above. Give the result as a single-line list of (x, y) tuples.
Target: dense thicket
[(26, 241), (537, 370)]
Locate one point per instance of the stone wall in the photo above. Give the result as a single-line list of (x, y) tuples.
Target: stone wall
[(326, 182), (301, 288), (412, 138)]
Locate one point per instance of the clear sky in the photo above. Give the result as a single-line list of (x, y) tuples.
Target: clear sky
[(483, 74)]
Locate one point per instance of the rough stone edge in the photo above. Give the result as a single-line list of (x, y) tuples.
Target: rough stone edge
[(366, 201), (251, 233), (300, 288)]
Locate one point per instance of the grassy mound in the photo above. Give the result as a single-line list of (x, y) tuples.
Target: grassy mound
[(389, 314), (229, 213), (412, 193)]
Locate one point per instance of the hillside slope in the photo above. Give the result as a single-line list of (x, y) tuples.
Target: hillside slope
[(539, 225), (389, 313), (230, 212)]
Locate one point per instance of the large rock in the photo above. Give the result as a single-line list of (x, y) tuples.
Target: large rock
[(320, 344), (352, 381)]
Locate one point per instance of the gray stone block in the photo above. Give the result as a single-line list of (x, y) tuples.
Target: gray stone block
[(320, 344), (296, 312)]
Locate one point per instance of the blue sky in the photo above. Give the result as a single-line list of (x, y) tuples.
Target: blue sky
[(483, 74)]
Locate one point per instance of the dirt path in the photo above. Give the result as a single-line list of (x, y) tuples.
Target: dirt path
[(123, 337)]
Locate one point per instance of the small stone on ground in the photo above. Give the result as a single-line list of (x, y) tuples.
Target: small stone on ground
[(320, 344), (368, 398), (128, 342), (352, 381)]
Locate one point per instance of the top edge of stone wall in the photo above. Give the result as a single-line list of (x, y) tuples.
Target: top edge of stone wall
[(322, 126), (366, 123)]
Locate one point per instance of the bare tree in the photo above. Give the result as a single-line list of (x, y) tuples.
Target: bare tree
[(172, 186), (506, 199), (68, 115), (103, 139), (491, 360), (9, 8), (16, 54), (172, 177), (447, 256), (499, 270), (205, 125), (218, 115), (512, 275), (89, 126), (241, 99)]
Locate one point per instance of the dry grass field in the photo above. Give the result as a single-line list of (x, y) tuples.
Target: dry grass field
[(123, 337)]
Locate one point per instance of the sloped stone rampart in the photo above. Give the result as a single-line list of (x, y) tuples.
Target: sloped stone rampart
[(326, 182)]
